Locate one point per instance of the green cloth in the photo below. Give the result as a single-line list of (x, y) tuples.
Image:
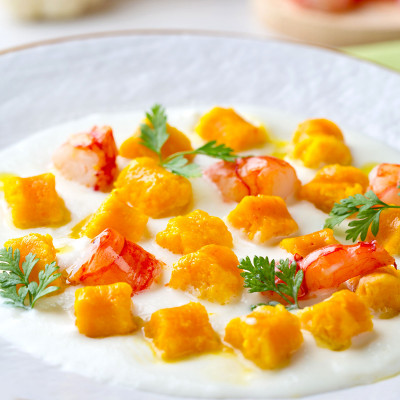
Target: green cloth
[(387, 53)]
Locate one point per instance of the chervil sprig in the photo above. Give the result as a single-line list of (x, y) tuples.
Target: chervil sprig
[(154, 138), (180, 166), (11, 276), (212, 149), (368, 208), (260, 276)]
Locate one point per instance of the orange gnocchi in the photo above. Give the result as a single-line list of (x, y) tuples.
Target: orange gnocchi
[(181, 332), (268, 336), (332, 184), (152, 189), (188, 233), (105, 310), (34, 202), (210, 273), (320, 141), (40, 245), (335, 321), (380, 291), (263, 218), (226, 126), (119, 215), (389, 231), (304, 245)]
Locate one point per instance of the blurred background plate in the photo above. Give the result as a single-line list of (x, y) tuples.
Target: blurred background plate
[(52, 83), (371, 22)]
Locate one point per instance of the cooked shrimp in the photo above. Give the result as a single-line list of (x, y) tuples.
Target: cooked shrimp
[(111, 258), (89, 158), (252, 176), (384, 180), (332, 265)]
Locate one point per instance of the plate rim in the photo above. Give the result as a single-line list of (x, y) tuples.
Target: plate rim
[(189, 32)]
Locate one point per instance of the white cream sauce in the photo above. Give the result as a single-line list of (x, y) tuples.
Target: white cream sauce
[(129, 360)]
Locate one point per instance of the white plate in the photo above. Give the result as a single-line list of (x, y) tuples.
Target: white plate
[(48, 84)]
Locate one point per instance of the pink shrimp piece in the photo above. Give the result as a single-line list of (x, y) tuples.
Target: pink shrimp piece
[(89, 158), (332, 265), (251, 176), (384, 180), (328, 5), (110, 258)]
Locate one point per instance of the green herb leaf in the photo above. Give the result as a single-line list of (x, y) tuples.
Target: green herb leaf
[(14, 298), (260, 276), (219, 151), (155, 137), (368, 208), (11, 276), (28, 264), (180, 166)]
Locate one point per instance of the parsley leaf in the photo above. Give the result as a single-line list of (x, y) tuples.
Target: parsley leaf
[(180, 166), (155, 137), (260, 276), (220, 151), (368, 208), (11, 276)]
